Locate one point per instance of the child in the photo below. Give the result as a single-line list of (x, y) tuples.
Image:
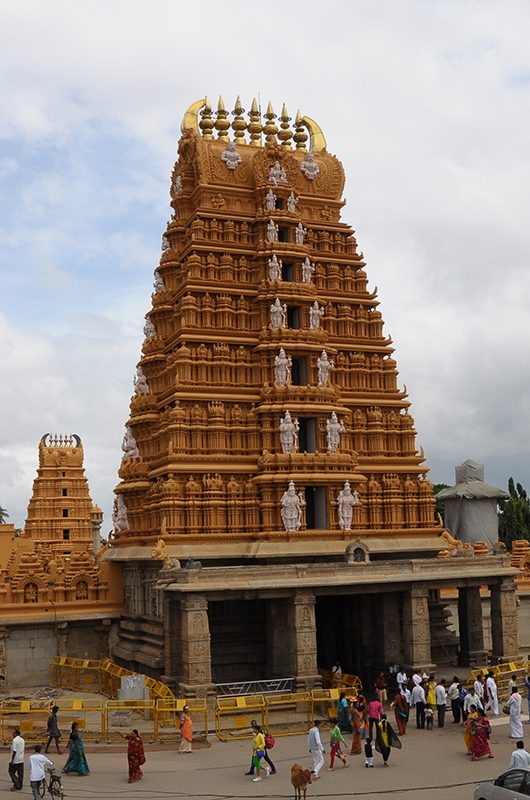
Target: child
[(336, 740), (368, 753), (429, 718)]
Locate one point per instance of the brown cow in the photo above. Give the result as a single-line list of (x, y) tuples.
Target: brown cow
[(300, 777)]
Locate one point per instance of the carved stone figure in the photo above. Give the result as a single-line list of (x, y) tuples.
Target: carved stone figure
[(140, 382), (129, 445), (346, 500), (119, 515), (272, 231), (334, 428), (277, 174), (149, 329), (308, 270), (324, 366), (278, 314), (158, 283), (291, 511), (316, 313), (165, 243), (177, 185), (282, 368), (270, 201), (292, 202), (230, 156), (310, 167), (289, 433), (275, 268), (300, 233)]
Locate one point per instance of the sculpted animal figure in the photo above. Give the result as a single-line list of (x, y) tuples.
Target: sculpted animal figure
[(300, 778)]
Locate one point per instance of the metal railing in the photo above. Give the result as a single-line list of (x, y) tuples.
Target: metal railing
[(241, 688)]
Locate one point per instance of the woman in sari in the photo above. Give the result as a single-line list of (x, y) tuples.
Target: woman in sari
[(514, 704), (135, 754), (343, 715), (481, 737), (357, 722), (385, 739), (77, 760), (468, 728), (401, 712), (186, 731), (430, 693)]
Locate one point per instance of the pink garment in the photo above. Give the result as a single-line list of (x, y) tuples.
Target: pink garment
[(375, 709)]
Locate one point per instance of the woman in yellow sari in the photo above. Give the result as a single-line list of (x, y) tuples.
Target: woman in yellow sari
[(468, 728), (430, 694)]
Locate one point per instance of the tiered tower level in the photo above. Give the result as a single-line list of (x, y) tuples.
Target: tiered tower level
[(266, 404)]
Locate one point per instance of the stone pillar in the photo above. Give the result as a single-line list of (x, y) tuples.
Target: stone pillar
[(4, 634), (195, 646), (417, 629), (61, 633), (471, 627), (392, 645), (172, 637), (302, 632), (504, 623)]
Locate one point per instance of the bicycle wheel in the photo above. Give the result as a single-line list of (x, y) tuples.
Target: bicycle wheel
[(42, 787), (56, 787)]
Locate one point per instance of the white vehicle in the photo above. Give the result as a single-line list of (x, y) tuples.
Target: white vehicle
[(511, 785)]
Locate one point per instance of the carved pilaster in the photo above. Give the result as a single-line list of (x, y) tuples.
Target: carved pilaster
[(392, 644), (417, 629), (4, 634), (471, 627), (504, 622), (303, 640), (195, 645)]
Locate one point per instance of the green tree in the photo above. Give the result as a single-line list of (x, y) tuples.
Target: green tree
[(3, 515), (514, 514), (439, 507)]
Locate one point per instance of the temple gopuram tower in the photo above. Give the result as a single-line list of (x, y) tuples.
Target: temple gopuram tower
[(268, 440)]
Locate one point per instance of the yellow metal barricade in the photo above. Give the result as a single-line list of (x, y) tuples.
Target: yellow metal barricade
[(346, 680), (324, 701), (89, 715), (144, 708), (296, 709), (240, 711), (28, 715), (167, 712)]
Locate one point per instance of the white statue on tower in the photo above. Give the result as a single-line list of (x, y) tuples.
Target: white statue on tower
[(149, 329), (119, 515), (272, 231), (289, 434), (324, 366), (177, 185), (308, 270), (292, 505), (282, 368), (275, 268), (129, 445), (278, 314), (230, 156), (316, 313), (300, 233), (165, 244), (277, 174), (310, 167), (292, 202), (334, 428), (140, 382), (270, 201), (346, 500), (158, 284)]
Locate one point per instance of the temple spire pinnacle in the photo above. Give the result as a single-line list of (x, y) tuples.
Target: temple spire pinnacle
[(300, 136), (238, 123), (254, 126), (206, 124), (221, 123), (285, 135), (270, 129)]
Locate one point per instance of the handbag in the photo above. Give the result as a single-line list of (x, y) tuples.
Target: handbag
[(506, 709)]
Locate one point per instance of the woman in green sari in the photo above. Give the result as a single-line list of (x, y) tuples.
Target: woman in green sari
[(77, 761)]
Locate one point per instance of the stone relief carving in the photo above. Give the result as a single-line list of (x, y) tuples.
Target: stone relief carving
[(129, 445), (230, 156), (334, 428), (275, 268), (277, 174), (119, 515), (310, 167), (282, 368), (316, 313), (289, 433), (324, 367), (346, 501), (308, 270), (140, 382), (278, 314), (292, 504)]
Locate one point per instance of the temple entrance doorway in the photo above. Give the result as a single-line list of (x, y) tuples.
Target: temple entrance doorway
[(238, 640), (349, 630)]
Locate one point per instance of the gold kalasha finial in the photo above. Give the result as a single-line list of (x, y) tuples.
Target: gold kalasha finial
[(206, 124), (300, 136), (238, 123), (254, 126), (285, 134), (270, 129), (221, 123)]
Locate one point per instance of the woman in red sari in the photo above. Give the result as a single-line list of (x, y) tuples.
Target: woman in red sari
[(135, 754), (401, 712), (480, 731)]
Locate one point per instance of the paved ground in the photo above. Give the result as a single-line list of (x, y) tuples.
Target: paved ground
[(431, 764)]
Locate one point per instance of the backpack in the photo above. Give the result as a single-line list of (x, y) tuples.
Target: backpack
[(270, 741)]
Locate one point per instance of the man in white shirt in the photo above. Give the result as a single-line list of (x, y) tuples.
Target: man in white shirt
[(37, 762), (316, 748), (472, 699), (493, 702), (401, 679), (416, 678), (336, 674), (520, 757), (417, 699), (478, 686), (453, 695), (441, 702), (16, 765)]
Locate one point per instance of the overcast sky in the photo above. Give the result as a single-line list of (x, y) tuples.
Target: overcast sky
[(425, 103)]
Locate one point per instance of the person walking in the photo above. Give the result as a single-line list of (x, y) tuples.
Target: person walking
[(453, 695), (441, 702), (401, 712), (52, 727), (77, 760), (381, 688), (527, 685), (514, 703), (255, 727), (343, 714), (520, 757), (368, 753), (135, 754), (386, 739), (430, 692), (357, 723), (186, 731), (481, 732), (316, 748), (258, 752), (418, 701), (469, 731), (401, 678), (493, 696), (336, 739), (472, 699), (16, 764), (37, 762)]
